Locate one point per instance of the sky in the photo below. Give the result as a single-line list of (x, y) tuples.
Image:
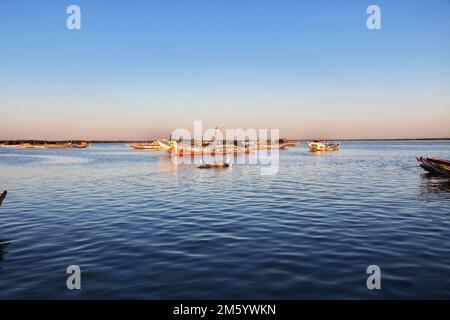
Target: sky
[(140, 69)]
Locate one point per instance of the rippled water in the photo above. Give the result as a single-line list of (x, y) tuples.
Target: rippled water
[(141, 227)]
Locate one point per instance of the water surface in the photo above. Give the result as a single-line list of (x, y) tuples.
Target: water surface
[(140, 226)]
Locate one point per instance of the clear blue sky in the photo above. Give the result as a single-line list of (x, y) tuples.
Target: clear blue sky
[(139, 69)]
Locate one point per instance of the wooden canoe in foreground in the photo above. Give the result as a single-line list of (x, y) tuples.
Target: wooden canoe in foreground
[(216, 165), (435, 165)]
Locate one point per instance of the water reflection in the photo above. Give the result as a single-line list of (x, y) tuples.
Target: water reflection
[(3, 245), (166, 163), (431, 183)]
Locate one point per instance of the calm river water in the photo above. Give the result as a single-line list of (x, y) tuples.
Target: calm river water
[(140, 226)]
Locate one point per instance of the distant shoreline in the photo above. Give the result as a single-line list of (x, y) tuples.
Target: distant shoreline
[(20, 141)]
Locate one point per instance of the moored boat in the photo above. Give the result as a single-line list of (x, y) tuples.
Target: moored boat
[(81, 145), (145, 146), (4, 145), (265, 146), (317, 146), (291, 143), (68, 145), (269, 145), (57, 146), (216, 165), (166, 145), (435, 165), (32, 146)]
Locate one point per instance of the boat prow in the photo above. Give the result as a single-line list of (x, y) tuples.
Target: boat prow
[(166, 145), (3, 196), (435, 165)]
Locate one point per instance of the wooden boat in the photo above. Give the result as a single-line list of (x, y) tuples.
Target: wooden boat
[(267, 147), (288, 143), (317, 146), (270, 146), (145, 146), (184, 150), (32, 146), (82, 145), (291, 143), (4, 145), (215, 165), (435, 165), (3, 196), (67, 145), (166, 145), (57, 146)]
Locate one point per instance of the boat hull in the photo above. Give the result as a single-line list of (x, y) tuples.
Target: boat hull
[(319, 146), (435, 166), (55, 146), (215, 165)]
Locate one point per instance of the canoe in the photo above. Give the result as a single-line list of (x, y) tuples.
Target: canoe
[(82, 145), (3, 196), (288, 143), (215, 165), (32, 146), (270, 146), (145, 146), (435, 165), (291, 143), (9, 145), (317, 146), (57, 146), (166, 145), (69, 145)]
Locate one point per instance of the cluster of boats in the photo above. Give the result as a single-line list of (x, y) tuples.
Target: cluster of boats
[(200, 148), (67, 145), (212, 147)]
